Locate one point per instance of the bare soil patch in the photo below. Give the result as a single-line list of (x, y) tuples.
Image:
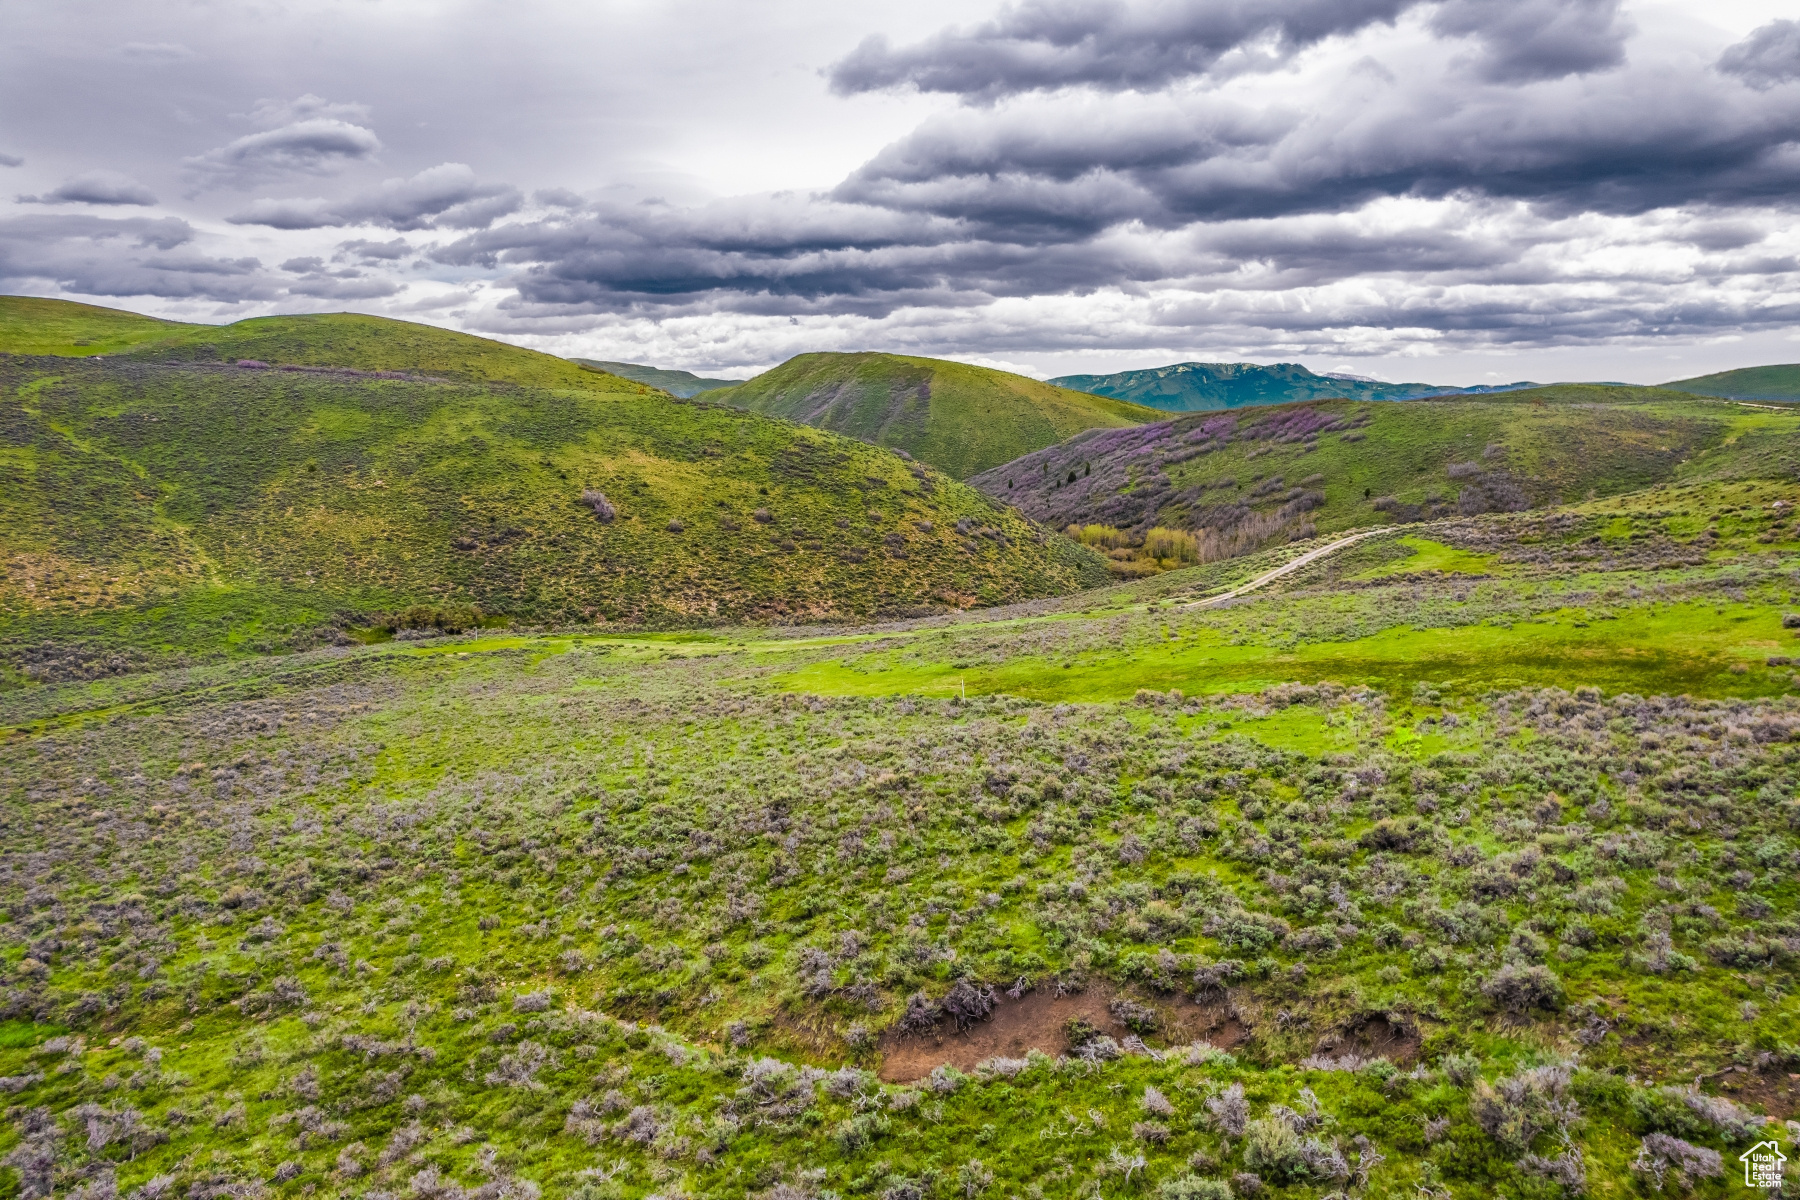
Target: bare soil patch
[(1776, 1093), (1037, 1020), (1374, 1037)]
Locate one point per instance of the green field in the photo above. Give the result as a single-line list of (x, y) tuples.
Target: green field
[(1460, 862), (960, 419)]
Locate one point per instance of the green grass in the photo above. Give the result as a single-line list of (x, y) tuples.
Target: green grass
[(1780, 383), (317, 884), (1427, 555), (959, 418), (623, 914), (156, 507), (29, 325)]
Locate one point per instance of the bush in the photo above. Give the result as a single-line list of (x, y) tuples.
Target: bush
[(1275, 1149), (1516, 1109), (1659, 1154), (1192, 1187), (1517, 989), (604, 512)]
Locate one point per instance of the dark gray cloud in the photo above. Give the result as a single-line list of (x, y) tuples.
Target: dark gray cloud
[(1620, 142), (136, 256), (1768, 57), (1522, 40), (97, 187), (1046, 44), (447, 196), (11, 160), (1287, 177)]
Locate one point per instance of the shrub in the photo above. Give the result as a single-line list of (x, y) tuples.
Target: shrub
[(532, 1002), (762, 516), (1192, 1187), (1514, 1110), (1274, 1148), (1790, 620), (675, 527), (967, 1003), (1157, 1103), (604, 512), (1230, 1111), (1659, 1154), (1519, 988)]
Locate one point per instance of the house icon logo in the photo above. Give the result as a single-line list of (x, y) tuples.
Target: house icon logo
[(1762, 1165)]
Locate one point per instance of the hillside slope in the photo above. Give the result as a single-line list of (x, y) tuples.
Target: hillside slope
[(960, 419), (1241, 480), (150, 507), (1197, 387), (31, 325), (1780, 382), (676, 383)]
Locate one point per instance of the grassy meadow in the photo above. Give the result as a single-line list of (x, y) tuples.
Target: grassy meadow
[(1458, 863)]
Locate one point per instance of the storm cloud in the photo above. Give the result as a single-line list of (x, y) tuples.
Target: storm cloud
[(1036, 180)]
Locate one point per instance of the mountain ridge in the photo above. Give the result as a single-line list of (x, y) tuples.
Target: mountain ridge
[(1204, 387)]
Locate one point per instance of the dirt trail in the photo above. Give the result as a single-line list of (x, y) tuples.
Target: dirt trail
[(1287, 568)]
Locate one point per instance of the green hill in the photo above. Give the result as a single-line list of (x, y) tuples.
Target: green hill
[(1780, 383), (676, 383), (150, 505), (960, 419), (1239, 480), (30, 325), (1199, 387)]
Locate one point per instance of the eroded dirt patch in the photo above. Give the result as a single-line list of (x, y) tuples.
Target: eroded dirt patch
[(1374, 1037), (1037, 1021), (1775, 1092)]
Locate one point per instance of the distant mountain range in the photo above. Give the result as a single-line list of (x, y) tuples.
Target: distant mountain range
[(676, 383), (1197, 387)]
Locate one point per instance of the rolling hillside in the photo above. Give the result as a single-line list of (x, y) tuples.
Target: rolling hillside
[(676, 383), (150, 505), (1240, 480), (960, 419), (29, 325), (1779, 383), (1197, 387)]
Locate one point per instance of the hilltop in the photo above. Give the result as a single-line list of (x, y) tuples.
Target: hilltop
[(1237, 481), (676, 383), (165, 502), (1780, 383), (1196, 386), (63, 328), (339, 340), (960, 419)]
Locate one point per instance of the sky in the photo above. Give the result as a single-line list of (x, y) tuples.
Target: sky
[(1452, 192)]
